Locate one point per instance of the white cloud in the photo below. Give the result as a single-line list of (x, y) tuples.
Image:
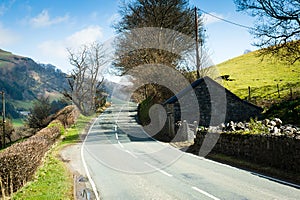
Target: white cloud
[(7, 37), (55, 51), (84, 36), (43, 20), (212, 18)]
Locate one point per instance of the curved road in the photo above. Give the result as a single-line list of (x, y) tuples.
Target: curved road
[(124, 163)]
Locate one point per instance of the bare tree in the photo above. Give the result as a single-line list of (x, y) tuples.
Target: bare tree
[(86, 77), (277, 27)]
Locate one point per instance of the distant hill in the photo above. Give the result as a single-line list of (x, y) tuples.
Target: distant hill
[(261, 75), (24, 80)]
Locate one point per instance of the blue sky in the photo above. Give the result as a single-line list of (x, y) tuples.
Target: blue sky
[(43, 29)]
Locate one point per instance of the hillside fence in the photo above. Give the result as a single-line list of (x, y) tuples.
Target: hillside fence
[(274, 92)]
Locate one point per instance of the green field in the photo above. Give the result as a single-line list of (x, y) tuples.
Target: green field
[(261, 75), (5, 58), (18, 122)]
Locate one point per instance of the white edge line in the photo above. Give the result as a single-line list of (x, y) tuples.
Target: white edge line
[(276, 180), (236, 168), (85, 165), (160, 170), (205, 193)]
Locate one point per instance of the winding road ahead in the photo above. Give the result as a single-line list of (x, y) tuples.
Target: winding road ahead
[(122, 162)]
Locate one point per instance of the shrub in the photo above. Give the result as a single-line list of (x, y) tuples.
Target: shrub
[(143, 110), (257, 127), (287, 110), (39, 113)]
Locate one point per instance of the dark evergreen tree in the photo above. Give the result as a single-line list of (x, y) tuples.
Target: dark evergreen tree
[(39, 113)]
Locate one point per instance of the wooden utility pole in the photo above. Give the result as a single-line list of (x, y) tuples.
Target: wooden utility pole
[(3, 118), (197, 44)]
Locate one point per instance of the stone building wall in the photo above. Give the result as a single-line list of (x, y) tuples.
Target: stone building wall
[(216, 105)]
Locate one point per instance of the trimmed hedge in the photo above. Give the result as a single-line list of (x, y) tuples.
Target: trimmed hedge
[(19, 162)]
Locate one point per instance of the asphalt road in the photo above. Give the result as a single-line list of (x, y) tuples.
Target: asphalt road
[(122, 162)]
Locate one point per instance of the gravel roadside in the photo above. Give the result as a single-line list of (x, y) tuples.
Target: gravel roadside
[(71, 156)]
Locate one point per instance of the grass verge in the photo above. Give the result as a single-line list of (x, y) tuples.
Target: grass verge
[(53, 180)]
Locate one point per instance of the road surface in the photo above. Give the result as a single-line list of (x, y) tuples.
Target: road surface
[(124, 163)]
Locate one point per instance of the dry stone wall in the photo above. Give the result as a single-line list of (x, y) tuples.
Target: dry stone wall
[(280, 150)]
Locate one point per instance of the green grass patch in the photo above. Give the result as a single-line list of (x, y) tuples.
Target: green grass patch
[(53, 180), (26, 105), (265, 77), (72, 133), (18, 122), (261, 75)]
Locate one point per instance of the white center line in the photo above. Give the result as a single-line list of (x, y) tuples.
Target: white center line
[(205, 193), (132, 154), (120, 144), (160, 170)]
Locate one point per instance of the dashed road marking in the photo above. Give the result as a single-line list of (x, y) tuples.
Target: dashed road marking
[(205, 193), (132, 154), (160, 170)]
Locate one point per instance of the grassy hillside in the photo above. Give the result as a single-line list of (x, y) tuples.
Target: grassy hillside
[(23, 81), (261, 75)]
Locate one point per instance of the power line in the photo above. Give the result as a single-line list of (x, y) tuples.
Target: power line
[(225, 20)]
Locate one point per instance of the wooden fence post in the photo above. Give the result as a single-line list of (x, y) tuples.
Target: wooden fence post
[(249, 93)]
